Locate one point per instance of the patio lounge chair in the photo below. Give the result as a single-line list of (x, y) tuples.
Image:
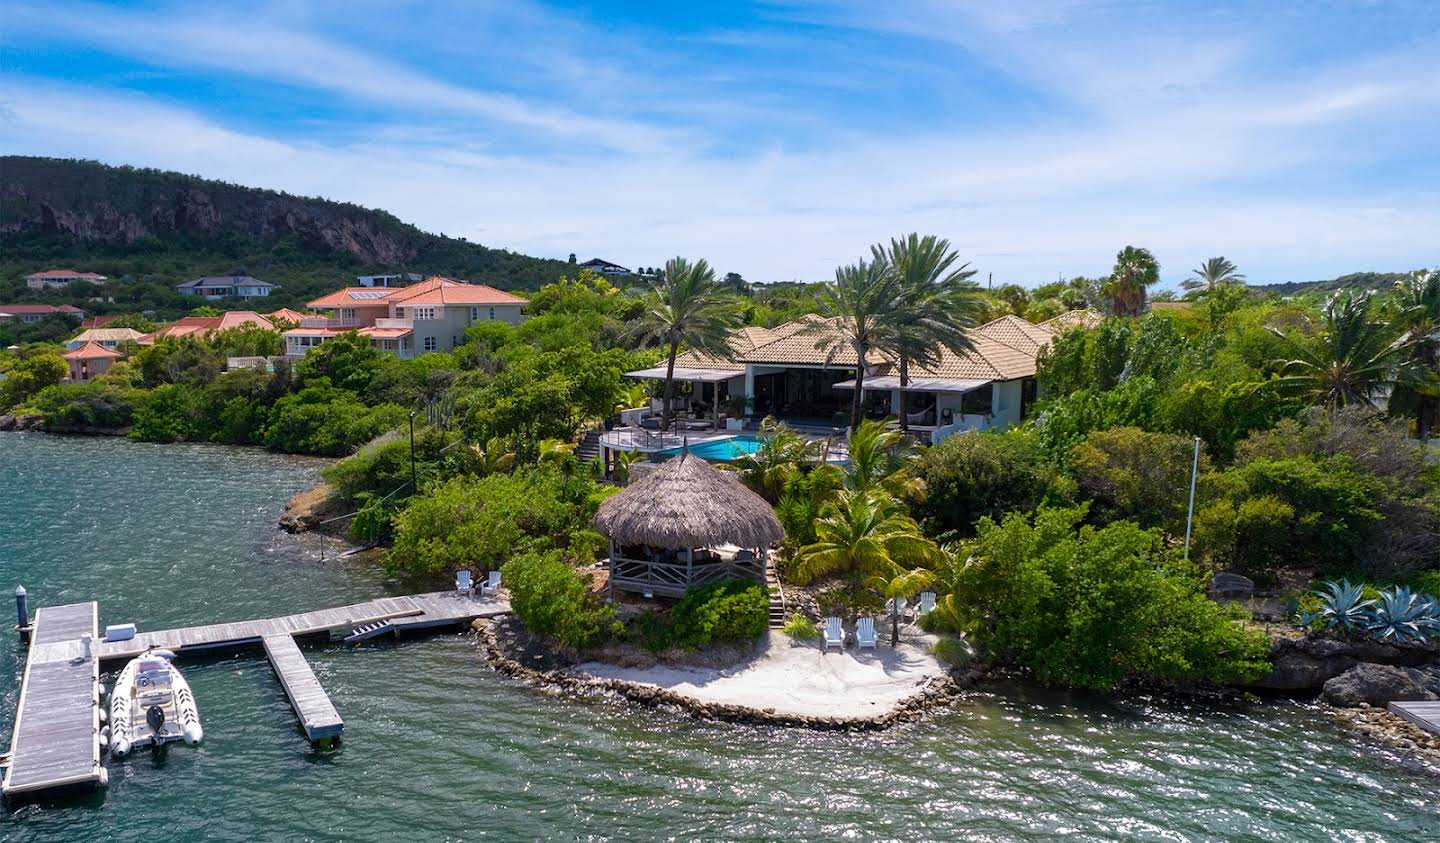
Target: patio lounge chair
[(896, 606), (927, 602), (492, 583), (463, 585), (865, 633), (834, 634)]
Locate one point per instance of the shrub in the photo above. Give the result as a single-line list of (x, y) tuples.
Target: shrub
[(29, 376), (800, 628), (483, 521), (1065, 422), (729, 610), (1092, 607), (171, 413), (321, 419), (552, 599), (1136, 474), (981, 474), (87, 405)]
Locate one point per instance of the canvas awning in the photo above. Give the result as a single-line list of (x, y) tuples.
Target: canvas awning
[(683, 373), (889, 382)]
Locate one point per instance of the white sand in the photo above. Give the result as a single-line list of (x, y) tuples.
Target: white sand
[(798, 679)]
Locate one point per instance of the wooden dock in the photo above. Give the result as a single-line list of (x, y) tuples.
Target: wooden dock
[(56, 741), (1425, 714)]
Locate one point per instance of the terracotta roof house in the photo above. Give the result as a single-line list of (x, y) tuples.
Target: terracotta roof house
[(226, 287), (431, 315), (60, 278), (202, 326), (285, 314), (37, 312), (90, 361), (110, 338), (791, 372)]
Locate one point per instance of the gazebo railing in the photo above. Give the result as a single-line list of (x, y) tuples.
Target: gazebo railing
[(672, 579)]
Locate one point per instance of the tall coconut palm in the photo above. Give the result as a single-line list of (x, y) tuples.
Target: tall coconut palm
[(1213, 273), (1135, 270), (942, 303), (1356, 360), (863, 535), (861, 311), (686, 307), (1418, 300)]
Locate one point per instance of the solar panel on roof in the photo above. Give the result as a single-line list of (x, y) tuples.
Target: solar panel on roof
[(370, 295)]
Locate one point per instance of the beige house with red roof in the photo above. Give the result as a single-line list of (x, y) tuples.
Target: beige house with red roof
[(90, 360), (781, 373), (431, 315)]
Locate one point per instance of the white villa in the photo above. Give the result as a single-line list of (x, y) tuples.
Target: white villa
[(60, 278), (215, 287), (431, 315), (779, 372)]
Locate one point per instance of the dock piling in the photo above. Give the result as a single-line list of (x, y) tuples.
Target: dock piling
[(22, 608)]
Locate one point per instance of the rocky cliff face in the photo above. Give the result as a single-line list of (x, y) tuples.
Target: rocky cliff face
[(91, 202)]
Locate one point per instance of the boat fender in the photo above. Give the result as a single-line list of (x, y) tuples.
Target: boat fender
[(104, 741), (120, 748), (104, 715), (105, 732), (168, 655), (194, 734)]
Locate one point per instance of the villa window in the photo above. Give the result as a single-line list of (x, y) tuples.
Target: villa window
[(431, 344), (976, 402), (492, 314), (422, 313)]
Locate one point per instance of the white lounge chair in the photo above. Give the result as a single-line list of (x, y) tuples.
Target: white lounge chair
[(927, 602), (865, 633), (834, 634), (492, 583), (463, 585), (896, 606)]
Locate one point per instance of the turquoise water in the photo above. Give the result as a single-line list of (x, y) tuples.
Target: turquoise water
[(723, 450), (439, 747)]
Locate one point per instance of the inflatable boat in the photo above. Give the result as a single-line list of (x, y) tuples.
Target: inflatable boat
[(151, 704)]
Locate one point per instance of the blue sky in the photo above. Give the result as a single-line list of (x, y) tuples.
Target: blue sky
[(779, 139)]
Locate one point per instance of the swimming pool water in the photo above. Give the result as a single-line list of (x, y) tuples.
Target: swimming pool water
[(723, 450)]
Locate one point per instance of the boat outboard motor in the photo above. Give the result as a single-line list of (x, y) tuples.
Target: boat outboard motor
[(155, 719)]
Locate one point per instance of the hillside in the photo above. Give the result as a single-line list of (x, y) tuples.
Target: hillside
[(1358, 280), (164, 227)]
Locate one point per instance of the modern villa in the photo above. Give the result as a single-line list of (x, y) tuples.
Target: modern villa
[(215, 287), (111, 338), (431, 315), (779, 372), (60, 278)]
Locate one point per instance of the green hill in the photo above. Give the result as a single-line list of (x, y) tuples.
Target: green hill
[(151, 229), (1355, 280)]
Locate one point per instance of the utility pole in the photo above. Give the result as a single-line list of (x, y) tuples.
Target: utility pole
[(1190, 516), (413, 488)]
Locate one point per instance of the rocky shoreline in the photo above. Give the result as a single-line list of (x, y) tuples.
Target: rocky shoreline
[(36, 422), (935, 692)]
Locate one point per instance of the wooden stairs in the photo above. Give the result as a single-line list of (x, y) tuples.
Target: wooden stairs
[(368, 630), (589, 449), (777, 599)]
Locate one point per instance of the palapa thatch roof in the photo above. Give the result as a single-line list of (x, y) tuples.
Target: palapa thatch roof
[(686, 502)]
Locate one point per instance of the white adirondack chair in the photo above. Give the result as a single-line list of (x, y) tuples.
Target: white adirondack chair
[(834, 634), (463, 585), (927, 602), (492, 583), (865, 633)]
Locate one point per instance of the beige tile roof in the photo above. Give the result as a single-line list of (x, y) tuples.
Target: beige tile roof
[(107, 335), (742, 341), (990, 360), (792, 346), (1017, 333), (1074, 319)]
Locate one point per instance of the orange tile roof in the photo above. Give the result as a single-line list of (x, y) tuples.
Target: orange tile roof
[(286, 314), (92, 351), (385, 333), (355, 297), (449, 291)]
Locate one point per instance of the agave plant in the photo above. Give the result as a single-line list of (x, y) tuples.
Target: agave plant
[(1342, 606), (1401, 615)]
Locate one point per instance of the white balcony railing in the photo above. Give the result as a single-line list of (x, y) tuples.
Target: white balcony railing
[(330, 324)]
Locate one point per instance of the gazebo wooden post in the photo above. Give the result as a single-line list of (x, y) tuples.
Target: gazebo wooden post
[(689, 566), (610, 580)]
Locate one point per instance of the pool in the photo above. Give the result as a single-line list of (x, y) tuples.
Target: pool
[(719, 450)]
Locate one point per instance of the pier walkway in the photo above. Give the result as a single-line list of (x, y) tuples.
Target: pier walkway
[(56, 741), (1426, 715)]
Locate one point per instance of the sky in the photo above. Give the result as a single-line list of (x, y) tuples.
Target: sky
[(780, 139)]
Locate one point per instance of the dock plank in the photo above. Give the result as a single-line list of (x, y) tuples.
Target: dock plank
[(1425, 714), (56, 739), (312, 705)]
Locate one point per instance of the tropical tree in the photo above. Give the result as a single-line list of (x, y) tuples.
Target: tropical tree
[(863, 535), (941, 303), (902, 587), (686, 307), (1212, 274), (782, 454), (882, 460), (494, 457), (1418, 300), (1356, 360), (861, 311), (1135, 270)]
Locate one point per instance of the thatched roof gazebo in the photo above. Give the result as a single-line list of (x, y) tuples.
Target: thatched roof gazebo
[(686, 523)]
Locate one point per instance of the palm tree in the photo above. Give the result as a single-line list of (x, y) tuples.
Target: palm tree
[(1357, 359), (1135, 269), (686, 306), (1213, 273), (881, 460), (942, 303), (1418, 297), (903, 586), (862, 311), (783, 453), (863, 535), (495, 457)]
